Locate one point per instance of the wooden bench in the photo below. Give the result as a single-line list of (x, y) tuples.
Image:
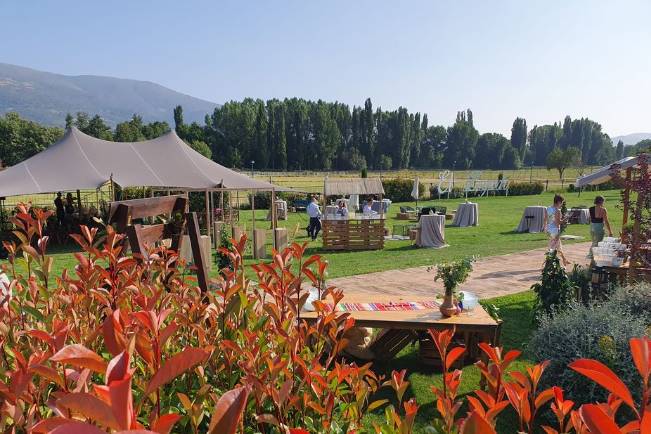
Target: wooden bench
[(142, 237)]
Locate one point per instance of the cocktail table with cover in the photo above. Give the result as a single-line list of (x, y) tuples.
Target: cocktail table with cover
[(532, 220), (467, 215), (432, 231)]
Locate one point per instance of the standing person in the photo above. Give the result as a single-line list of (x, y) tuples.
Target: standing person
[(552, 223), (70, 204), (368, 207), (61, 213), (314, 213), (598, 218), (343, 209)]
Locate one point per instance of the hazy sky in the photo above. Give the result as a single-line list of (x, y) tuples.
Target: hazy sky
[(536, 59)]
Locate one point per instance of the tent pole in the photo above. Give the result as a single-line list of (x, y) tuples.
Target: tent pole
[(253, 224), (273, 216), (112, 188), (627, 196), (207, 199), (221, 204)]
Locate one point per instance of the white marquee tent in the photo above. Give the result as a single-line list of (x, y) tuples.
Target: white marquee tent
[(79, 161)]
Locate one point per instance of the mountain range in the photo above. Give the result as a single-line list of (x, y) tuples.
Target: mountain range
[(46, 97), (631, 139)]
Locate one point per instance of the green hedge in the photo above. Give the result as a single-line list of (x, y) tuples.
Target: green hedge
[(399, 189), (525, 188)]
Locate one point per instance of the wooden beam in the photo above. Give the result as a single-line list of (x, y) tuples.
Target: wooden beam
[(627, 196)]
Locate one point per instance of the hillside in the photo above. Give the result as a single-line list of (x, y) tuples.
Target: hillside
[(46, 97), (631, 139)]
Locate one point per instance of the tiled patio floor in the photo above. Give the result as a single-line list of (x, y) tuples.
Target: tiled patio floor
[(492, 277)]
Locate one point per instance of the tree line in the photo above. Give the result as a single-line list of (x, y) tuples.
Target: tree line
[(298, 134)]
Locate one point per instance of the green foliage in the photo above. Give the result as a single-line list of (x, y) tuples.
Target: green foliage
[(562, 159), (453, 273), (461, 142), (594, 146), (399, 189), (494, 151), (555, 290), (364, 173), (599, 331), (20, 138), (385, 162), (202, 148), (525, 188)]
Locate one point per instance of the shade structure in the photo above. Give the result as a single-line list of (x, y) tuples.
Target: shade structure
[(79, 161), (342, 187), (605, 173)]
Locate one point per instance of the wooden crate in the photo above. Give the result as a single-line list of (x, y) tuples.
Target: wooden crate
[(353, 234)]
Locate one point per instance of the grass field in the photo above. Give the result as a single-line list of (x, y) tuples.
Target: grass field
[(498, 217), (313, 181)]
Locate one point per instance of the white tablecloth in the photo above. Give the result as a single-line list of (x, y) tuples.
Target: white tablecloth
[(467, 215), (584, 217), (535, 223), (432, 231)]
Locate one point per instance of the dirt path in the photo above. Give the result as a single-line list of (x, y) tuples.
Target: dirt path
[(492, 277)]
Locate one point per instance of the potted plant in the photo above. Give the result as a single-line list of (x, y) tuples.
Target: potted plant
[(452, 274)]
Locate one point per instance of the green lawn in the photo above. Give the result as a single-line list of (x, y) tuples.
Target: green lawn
[(498, 217)]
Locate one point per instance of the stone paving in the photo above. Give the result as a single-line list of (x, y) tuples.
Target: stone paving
[(491, 277)]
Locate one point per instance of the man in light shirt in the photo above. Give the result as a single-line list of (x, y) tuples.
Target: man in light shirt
[(315, 219)]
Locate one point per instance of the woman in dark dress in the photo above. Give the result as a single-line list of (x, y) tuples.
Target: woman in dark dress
[(599, 219)]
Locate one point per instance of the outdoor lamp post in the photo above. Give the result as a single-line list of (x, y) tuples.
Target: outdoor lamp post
[(252, 163)]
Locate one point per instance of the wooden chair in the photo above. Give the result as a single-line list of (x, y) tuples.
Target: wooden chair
[(141, 237)]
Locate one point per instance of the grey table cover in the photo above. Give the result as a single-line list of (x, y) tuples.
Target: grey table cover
[(467, 215), (535, 223), (432, 231), (584, 217)]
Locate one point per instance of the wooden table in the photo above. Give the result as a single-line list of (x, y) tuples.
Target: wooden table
[(403, 327), (352, 233)]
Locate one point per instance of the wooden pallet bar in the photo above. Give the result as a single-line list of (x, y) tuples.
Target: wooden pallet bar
[(353, 234)]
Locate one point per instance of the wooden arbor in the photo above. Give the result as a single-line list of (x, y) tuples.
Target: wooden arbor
[(141, 237)]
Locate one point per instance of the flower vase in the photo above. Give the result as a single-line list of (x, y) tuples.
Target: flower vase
[(448, 307)]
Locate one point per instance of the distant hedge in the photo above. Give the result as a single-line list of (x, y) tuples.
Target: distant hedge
[(399, 189), (525, 188)]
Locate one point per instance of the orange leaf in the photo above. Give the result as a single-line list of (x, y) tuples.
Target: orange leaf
[(597, 421), (80, 356), (475, 424), (228, 411), (122, 401), (602, 375), (90, 407), (164, 424), (645, 425), (175, 366), (453, 355), (641, 352), (298, 431), (47, 425), (77, 428), (118, 367)]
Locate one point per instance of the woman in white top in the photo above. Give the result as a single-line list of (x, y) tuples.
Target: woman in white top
[(552, 223)]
